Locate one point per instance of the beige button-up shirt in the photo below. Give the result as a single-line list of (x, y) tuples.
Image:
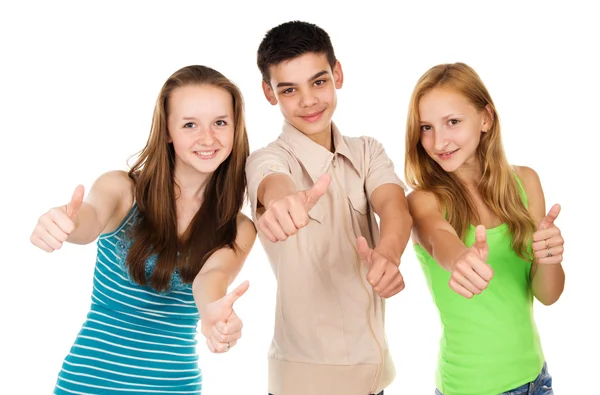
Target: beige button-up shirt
[(329, 333)]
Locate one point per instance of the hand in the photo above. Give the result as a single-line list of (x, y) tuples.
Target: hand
[(54, 227), (285, 216), (470, 272), (548, 244), (219, 323), (384, 275)]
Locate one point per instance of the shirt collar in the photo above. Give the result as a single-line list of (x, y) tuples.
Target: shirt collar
[(314, 157)]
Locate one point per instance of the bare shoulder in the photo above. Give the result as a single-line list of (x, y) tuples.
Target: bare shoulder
[(530, 179), (118, 179), (246, 232), (533, 189), (420, 200), (527, 175), (111, 195)]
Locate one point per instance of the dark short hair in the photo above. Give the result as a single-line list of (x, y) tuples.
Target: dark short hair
[(290, 40)]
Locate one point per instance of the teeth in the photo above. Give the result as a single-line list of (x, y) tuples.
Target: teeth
[(206, 153)]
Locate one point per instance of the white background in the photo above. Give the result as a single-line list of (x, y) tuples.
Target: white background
[(79, 81)]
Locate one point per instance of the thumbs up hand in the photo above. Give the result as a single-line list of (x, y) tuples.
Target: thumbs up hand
[(384, 275), (284, 217), (55, 226), (220, 324), (470, 272), (548, 243)]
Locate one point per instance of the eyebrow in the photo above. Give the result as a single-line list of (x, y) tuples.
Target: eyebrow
[(195, 119), (447, 117), (452, 116), (320, 73)]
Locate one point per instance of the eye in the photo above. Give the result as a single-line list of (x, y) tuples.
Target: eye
[(319, 82), (453, 122), (287, 91), (189, 125), (425, 128), (220, 122)]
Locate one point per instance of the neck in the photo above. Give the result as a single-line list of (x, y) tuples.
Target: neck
[(470, 173), (190, 184), (324, 139)]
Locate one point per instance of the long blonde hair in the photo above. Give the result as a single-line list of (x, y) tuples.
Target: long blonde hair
[(215, 224), (498, 186)]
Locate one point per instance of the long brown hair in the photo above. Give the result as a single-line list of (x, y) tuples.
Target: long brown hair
[(498, 186), (214, 225)]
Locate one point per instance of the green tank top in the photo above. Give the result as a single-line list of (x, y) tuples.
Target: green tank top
[(490, 343)]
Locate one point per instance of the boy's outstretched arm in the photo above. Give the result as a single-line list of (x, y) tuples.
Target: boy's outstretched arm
[(390, 204)]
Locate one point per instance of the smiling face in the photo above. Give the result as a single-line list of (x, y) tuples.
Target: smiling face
[(201, 127), (451, 128), (305, 89)]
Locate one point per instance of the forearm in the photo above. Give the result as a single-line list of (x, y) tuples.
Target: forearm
[(275, 187), (395, 225), (87, 226), (444, 246), (548, 282), (209, 287)]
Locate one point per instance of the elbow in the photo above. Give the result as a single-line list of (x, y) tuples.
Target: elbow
[(408, 220), (549, 300)]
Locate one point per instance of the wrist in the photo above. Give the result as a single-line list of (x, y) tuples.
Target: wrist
[(389, 248)]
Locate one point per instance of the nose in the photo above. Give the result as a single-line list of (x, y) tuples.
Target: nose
[(206, 136), (308, 99), (440, 139)]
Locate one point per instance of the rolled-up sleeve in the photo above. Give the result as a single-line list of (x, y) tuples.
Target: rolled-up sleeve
[(380, 168), (260, 164)]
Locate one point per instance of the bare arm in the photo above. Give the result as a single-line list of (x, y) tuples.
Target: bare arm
[(110, 197), (547, 279), (219, 323), (81, 221), (274, 187), (432, 231), (390, 204), (470, 274), (223, 266)]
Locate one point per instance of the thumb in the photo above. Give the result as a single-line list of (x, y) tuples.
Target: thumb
[(316, 191), (481, 241), (550, 217), (363, 250), (234, 295), (76, 200)]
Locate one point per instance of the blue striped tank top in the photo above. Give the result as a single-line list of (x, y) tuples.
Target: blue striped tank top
[(135, 340)]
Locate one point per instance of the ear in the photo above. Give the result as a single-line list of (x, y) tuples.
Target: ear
[(269, 94), (488, 118), (338, 75)]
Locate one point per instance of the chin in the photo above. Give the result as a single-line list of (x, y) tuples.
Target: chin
[(209, 168), (314, 128), (449, 167)]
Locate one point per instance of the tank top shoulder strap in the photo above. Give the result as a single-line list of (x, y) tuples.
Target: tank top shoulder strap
[(521, 189)]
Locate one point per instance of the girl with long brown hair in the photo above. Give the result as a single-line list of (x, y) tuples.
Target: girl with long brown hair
[(171, 239), (482, 278)]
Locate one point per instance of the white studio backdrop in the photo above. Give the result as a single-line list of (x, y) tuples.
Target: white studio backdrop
[(79, 81)]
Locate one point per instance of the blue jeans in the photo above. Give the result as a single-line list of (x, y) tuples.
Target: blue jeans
[(542, 385)]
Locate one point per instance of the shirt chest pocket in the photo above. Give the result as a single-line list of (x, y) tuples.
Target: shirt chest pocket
[(316, 213), (358, 203)]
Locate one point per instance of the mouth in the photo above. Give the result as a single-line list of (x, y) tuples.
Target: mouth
[(447, 155), (313, 117), (206, 154)]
